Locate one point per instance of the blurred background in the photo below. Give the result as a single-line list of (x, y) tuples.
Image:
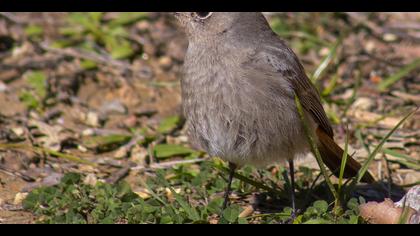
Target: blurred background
[(98, 94)]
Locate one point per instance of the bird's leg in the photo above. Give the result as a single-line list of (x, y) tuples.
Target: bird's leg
[(232, 168), (292, 186)]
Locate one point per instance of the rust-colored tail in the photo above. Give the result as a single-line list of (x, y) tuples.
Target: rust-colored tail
[(332, 154)]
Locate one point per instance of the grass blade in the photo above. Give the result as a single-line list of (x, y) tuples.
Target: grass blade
[(403, 159), (365, 166), (66, 156), (400, 155), (405, 213), (331, 86), (359, 137), (327, 60), (190, 210), (384, 85), (343, 164), (248, 180), (314, 148)]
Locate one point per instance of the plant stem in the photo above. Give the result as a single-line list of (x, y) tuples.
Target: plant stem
[(314, 148)]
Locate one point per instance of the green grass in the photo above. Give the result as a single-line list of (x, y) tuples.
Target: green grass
[(190, 197)]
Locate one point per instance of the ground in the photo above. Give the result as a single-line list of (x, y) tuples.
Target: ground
[(98, 94)]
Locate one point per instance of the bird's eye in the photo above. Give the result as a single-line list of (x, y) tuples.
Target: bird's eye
[(203, 15)]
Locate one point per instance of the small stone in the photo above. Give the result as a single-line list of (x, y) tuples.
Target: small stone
[(363, 103), (121, 153), (165, 62), (370, 46), (90, 179), (324, 52), (113, 107), (3, 87), (52, 179), (214, 221), (144, 194), (19, 197), (390, 37), (395, 166), (18, 131), (143, 25), (130, 121), (82, 148), (87, 169), (183, 138), (139, 154), (88, 132), (92, 119)]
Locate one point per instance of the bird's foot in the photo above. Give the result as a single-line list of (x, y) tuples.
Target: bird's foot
[(292, 217)]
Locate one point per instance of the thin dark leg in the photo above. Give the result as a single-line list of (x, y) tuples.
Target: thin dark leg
[(232, 168), (292, 185)]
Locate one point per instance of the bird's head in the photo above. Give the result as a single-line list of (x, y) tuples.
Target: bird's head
[(204, 25)]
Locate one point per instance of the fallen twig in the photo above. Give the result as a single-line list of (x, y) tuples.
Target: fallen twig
[(118, 175), (101, 59), (169, 164), (16, 173)]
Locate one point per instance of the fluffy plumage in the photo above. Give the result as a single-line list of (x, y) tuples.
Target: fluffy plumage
[(238, 92)]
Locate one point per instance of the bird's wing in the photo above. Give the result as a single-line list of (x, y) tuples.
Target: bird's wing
[(283, 63), (280, 63)]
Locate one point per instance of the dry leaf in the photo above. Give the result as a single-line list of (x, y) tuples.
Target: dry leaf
[(384, 213), (19, 197), (53, 135)]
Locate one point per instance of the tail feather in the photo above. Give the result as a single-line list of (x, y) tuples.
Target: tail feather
[(332, 154)]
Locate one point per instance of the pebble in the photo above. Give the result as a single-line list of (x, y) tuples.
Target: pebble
[(144, 194), (370, 46), (88, 132), (18, 131), (90, 179), (3, 87), (364, 104), (130, 121), (165, 62), (390, 37), (87, 169), (121, 153), (113, 107), (324, 52), (138, 155), (92, 119), (52, 179), (82, 148), (143, 25)]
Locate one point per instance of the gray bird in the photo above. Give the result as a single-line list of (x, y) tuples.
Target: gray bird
[(238, 94)]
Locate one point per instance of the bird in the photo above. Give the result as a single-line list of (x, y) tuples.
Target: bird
[(238, 93)]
